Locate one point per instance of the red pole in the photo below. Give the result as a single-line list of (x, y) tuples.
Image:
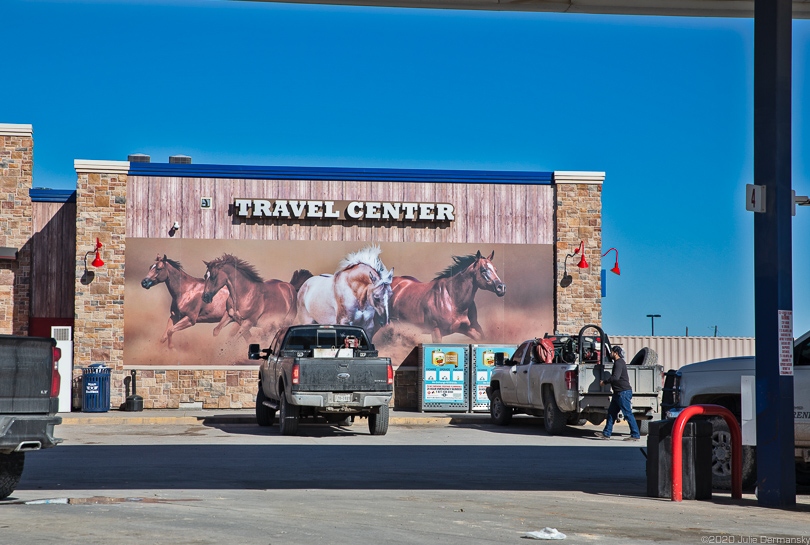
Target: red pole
[(677, 447)]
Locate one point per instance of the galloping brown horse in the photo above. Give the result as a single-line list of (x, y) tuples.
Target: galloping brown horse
[(446, 304), (256, 303), (187, 304)]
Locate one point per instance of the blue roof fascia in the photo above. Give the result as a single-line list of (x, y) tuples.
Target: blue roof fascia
[(351, 174), (52, 195)]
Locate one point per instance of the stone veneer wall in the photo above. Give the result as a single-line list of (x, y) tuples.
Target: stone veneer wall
[(99, 325), (98, 336), (578, 217), (16, 226), (212, 388)]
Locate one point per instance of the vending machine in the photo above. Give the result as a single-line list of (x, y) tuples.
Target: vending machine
[(482, 362), (443, 377)]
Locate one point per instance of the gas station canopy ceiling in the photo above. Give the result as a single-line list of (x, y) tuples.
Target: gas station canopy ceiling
[(683, 8)]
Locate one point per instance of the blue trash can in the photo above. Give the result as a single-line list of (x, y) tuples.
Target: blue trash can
[(96, 388)]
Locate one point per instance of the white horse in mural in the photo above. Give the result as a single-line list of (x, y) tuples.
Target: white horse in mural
[(357, 294)]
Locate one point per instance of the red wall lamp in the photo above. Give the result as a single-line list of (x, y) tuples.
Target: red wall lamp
[(580, 250), (97, 262), (615, 268)]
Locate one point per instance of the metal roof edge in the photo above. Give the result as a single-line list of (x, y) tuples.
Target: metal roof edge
[(52, 195), (329, 173)]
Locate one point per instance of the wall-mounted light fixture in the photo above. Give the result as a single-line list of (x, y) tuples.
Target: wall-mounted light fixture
[(567, 279), (615, 268), (88, 276), (174, 229)]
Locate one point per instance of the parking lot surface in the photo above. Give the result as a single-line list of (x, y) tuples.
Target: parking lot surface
[(219, 478)]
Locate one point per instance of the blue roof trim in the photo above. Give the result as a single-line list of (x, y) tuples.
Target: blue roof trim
[(351, 174), (52, 195)]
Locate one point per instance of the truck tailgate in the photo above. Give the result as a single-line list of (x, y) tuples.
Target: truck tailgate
[(26, 367), (343, 375)]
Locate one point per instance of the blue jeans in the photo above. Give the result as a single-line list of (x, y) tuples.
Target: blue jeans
[(621, 402)]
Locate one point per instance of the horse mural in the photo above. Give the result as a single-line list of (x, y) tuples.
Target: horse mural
[(446, 304), (357, 294), (256, 303), (187, 307)]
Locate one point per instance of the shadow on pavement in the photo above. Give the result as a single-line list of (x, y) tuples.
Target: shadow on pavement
[(350, 467)]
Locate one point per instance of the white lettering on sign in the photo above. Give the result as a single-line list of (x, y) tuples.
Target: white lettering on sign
[(786, 342), (355, 210), (314, 209), (343, 210)]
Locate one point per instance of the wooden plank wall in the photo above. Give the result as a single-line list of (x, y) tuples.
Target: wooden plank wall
[(53, 262), (494, 213)]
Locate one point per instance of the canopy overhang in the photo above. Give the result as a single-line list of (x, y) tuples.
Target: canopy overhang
[(678, 8)]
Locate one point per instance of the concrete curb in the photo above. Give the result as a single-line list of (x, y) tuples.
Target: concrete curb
[(115, 418)]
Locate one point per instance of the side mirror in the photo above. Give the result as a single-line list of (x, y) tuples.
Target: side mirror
[(254, 352), (499, 358)]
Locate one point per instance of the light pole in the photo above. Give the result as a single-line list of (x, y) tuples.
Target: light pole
[(652, 318)]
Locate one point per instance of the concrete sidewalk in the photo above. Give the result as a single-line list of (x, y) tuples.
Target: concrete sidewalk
[(248, 416)]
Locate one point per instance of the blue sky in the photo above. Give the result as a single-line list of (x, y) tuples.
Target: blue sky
[(663, 105)]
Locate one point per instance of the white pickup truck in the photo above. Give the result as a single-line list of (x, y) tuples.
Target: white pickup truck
[(564, 388), (718, 382)]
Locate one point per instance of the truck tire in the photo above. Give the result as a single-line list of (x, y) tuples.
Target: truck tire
[(721, 458), (553, 418), (643, 427), (498, 410), (378, 422), (645, 356), (264, 414), (288, 417), (11, 468), (339, 420)]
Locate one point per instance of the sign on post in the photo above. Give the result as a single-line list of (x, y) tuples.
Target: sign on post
[(755, 198)]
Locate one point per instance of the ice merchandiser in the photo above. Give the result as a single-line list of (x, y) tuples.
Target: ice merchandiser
[(481, 364), (443, 377)]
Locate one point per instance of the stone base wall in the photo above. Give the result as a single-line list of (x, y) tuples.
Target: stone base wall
[(215, 388)]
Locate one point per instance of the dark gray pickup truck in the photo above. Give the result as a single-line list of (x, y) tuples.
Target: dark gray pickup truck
[(329, 371), (29, 390)]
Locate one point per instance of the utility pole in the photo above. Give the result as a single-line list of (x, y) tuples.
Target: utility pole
[(652, 318)]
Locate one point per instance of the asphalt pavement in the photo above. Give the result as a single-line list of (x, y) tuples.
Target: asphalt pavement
[(214, 476)]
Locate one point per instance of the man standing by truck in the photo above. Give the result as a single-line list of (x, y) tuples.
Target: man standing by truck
[(622, 396)]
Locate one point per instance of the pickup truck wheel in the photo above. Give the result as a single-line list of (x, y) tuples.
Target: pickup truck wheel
[(501, 414), (288, 417), (378, 422), (553, 418), (11, 468), (339, 420), (721, 458), (264, 414), (643, 427)]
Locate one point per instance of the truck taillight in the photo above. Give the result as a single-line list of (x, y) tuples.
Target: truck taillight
[(56, 380), (571, 380), (296, 371), (390, 374)]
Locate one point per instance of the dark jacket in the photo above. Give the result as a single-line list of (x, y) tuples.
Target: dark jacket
[(619, 379)]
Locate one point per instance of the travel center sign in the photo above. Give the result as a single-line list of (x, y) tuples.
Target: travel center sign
[(343, 210)]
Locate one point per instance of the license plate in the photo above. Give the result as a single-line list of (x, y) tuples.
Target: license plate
[(343, 398)]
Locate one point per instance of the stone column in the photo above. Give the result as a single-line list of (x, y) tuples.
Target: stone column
[(578, 217), (101, 214), (16, 226)]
